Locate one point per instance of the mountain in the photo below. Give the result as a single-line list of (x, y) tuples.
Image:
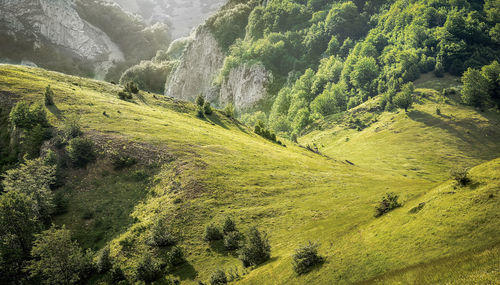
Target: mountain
[(182, 16)]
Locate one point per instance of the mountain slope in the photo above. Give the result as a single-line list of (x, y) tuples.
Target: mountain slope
[(199, 171)]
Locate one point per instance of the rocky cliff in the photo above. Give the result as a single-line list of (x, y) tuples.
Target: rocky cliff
[(197, 69), (200, 65), (55, 23)]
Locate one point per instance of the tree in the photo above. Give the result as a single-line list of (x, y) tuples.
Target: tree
[(257, 250), (492, 74), (306, 257), (229, 225), (404, 98), (475, 89), (212, 233), (388, 203), (218, 278), (25, 117), (57, 259), (148, 269), (161, 234), (81, 151), (33, 178), (200, 100), (18, 223), (49, 96), (364, 72), (103, 262)]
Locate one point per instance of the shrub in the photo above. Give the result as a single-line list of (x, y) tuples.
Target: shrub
[(257, 250), (207, 108), (175, 257), (438, 111), (200, 101), (212, 233), (147, 269), (124, 95), (306, 257), (161, 234), (232, 240), (404, 98), (131, 87), (25, 117), (229, 226), (49, 96), (229, 110), (460, 175), (72, 127), (389, 202), (103, 262), (81, 151), (121, 161), (218, 277), (200, 113)]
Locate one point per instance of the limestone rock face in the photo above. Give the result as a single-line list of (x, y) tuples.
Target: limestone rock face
[(55, 21), (197, 69), (245, 85)]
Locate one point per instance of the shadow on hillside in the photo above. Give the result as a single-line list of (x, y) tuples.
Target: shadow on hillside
[(55, 111), (434, 122), (186, 271), (214, 118), (218, 247)]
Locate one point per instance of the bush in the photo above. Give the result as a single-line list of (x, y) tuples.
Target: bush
[(438, 111), (229, 226), (306, 257), (200, 101), (389, 202), (212, 233), (229, 110), (103, 262), (218, 277), (131, 87), (257, 250), (175, 257), (161, 234), (121, 161), (25, 117), (200, 113), (147, 269), (232, 240), (124, 95), (207, 108), (460, 175), (72, 127), (49, 96), (80, 151)]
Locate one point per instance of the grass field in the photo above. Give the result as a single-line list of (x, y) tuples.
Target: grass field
[(198, 171)]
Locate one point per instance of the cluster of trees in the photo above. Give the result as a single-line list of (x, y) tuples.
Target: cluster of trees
[(355, 50), (202, 107), (254, 248), (481, 88)]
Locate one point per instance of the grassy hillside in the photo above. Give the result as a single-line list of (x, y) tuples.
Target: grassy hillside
[(199, 171)]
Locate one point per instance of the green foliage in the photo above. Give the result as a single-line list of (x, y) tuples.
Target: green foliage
[(229, 110), (364, 73), (27, 117), (161, 234), (306, 257), (48, 96), (212, 233), (200, 101), (148, 269), (103, 262), (257, 250), (475, 89), (34, 139), (57, 259), (460, 175), (148, 75), (131, 87), (175, 257), (229, 225), (404, 99), (33, 178), (233, 240), (218, 277), (121, 161), (18, 223), (207, 109), (124, 95), (72, 127), (262, 131), (388, 203), (81, 151)]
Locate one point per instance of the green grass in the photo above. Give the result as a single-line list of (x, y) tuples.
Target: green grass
[(217, 167)]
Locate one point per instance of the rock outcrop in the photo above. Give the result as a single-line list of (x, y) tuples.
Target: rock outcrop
[(197, 69), (245, 85)]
